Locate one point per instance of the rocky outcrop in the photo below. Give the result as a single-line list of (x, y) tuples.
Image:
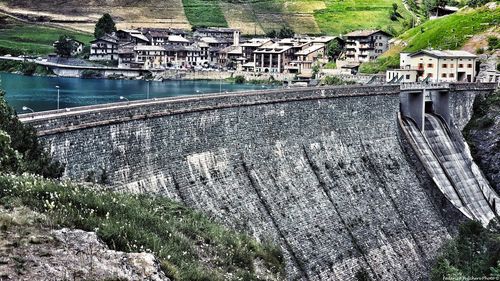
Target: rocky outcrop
[(483, 136), (29, 251)]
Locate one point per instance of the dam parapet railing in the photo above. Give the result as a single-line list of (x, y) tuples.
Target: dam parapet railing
[(55, 121), (50, 122)]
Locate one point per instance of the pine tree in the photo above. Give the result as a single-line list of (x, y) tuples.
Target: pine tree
[(104, 25)]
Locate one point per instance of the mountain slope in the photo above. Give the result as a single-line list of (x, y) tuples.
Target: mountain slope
[(252, 16)]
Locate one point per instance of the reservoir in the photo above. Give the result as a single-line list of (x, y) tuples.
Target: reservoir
[(40, 93)]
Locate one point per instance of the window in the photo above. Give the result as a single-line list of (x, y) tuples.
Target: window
[(430, 65), (452, 65), (445, 65), (443, 75), (407, 76), (460, 66), (430, 75), (469, 65), (452, 75)]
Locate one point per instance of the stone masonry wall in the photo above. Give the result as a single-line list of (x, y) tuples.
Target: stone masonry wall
[(322, 172)]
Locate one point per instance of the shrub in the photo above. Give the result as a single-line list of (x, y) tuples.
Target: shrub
[(89, 73), (239, 79)]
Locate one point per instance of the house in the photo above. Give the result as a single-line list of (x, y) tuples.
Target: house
[(366, 45), (435, 66), (272, 58), (306, 58), (104, 48), (159, 36), (126, 56), (178, 40), (228, 34), (77, 46), (150, 56)]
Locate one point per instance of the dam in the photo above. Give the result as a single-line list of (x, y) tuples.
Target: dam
[(327, 173)]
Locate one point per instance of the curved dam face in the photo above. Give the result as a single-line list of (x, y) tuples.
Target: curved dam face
[(323, 172)]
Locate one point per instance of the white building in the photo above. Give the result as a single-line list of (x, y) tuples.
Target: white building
[(435, 66)]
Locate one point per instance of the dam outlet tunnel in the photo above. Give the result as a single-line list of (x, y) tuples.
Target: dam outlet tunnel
[(414, 104)]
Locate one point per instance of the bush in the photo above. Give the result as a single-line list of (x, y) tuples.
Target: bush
[(89, 74), (239, 79), (381, 64)]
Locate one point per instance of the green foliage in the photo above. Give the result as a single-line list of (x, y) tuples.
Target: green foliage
[(65, 46), (334, 80), (333, 49), (284, 32), (443, 269), (204, 13), (23, 141), (379, 65), (330, 65), (239, 79), (493, 43), (473, 254), (104, 25), (90, 74), (476, 3), (188, 244)]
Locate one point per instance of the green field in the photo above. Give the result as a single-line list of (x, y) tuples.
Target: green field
[(204, 13), (304, 16), (17, 38), (342, 16)]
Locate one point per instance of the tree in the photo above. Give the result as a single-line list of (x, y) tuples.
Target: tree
[(333, 49), (272, 34), (65, 46), (24, 142), (286, 32), (104, 25)]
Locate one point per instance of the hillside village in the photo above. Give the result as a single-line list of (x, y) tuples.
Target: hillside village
[(304, 56)]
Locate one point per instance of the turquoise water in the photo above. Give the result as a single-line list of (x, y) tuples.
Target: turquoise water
[(40, 93)]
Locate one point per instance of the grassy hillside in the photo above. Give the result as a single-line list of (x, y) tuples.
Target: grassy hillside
[(20, 38), (252, 16), (450, 32)]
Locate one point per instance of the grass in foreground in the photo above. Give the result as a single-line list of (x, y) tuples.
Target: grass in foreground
[(17, 38), (188, 244)]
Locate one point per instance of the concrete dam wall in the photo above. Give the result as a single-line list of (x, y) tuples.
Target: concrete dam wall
[(323, 172)]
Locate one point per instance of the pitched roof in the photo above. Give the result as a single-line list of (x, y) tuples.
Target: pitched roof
[(444, 54), (364, 33), (309, 50)]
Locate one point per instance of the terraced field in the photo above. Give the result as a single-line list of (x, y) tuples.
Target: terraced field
[(252, 16)]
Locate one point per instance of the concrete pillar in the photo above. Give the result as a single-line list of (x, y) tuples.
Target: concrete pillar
[(279, 63), (262, 61), (254, 62), (270, 62)]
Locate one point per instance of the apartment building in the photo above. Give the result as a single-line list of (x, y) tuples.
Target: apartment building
[(366, 45), (435, 66), (104, 48)]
